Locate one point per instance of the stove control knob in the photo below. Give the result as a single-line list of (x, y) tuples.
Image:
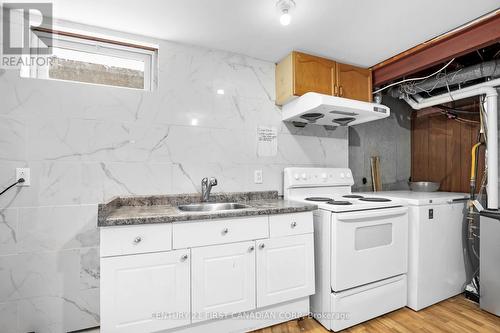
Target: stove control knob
[(342, 175), (323, 175), (296, 176), (304, 176), (349, 175)]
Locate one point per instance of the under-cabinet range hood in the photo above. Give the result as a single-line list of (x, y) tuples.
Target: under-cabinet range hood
[(319, 109)]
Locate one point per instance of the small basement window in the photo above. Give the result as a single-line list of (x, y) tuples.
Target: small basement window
[(95, 60)]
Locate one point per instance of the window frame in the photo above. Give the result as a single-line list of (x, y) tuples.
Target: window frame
[(90, 45)]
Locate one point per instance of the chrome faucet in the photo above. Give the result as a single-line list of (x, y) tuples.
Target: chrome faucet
[(206, 187)]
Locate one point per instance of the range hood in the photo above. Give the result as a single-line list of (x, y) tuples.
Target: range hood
[(319, 109)]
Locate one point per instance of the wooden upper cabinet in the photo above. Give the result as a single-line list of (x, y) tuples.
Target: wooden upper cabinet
[(300, 73), (313, 74), (354, 82)]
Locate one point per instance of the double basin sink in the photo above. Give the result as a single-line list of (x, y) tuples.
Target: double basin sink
[(212, 207)]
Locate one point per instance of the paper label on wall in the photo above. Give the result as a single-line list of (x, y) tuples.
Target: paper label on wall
[(267, 141)]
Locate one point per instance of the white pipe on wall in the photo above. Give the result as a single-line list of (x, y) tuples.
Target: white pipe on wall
[(486, 88), (492, 150)]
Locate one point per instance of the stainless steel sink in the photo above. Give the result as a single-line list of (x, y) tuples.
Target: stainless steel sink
[(211, 207)]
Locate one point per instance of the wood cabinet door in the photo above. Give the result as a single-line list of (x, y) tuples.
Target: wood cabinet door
[(354, 82), (313, 74), (285, 269), (145, 292), (223, 279)]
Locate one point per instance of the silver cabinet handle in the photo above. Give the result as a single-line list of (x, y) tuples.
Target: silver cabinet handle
[(294, 224), (251, 248), (184, 257), (261, 246), (225, 231), (137, 240)]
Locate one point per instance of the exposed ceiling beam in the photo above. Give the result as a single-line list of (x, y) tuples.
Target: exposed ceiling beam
[(475, 35)]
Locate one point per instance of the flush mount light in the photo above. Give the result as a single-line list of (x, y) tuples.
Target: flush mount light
[(285, 7)]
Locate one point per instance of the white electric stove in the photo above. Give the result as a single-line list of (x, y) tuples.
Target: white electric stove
[(361, 247)]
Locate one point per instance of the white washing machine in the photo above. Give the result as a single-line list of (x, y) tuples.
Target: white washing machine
[(436, 258)]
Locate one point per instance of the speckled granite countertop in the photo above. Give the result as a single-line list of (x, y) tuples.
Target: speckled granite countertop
[(163, 209)]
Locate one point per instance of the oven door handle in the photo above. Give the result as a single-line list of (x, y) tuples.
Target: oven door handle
[(364, 215)]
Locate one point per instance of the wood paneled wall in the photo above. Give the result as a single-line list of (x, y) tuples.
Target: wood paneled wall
[(441, 149)]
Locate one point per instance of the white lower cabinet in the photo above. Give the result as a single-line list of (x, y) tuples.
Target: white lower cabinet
[(181, 289), (140, 292), (285, 269), (223, 280)]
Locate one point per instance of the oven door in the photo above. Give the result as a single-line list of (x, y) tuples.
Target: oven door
[(368, 246)]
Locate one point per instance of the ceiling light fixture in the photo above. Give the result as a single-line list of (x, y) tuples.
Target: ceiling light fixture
[(285, 6)]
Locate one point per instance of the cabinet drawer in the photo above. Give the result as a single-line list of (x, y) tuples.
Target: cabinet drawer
[(211, 232), (117, 241), (290, 224)]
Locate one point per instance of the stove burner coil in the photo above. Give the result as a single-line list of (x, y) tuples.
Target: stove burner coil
[(318, 199), (340, 203), (352, 196), (375, 199)]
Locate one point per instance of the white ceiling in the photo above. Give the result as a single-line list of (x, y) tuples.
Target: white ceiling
[(360, 32)]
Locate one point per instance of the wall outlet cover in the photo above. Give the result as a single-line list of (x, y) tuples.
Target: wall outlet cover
[(258, 177), (25, 174)]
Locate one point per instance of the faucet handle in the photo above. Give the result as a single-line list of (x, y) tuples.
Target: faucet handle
[(204, 181), (213, 181)]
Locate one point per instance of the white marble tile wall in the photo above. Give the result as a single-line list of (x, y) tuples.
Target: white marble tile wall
[(86, 143)]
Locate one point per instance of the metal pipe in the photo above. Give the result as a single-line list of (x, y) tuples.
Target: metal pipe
[(473, 169), (487, 89)]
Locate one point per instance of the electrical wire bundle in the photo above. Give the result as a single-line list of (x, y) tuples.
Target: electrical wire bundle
[(415, 79)]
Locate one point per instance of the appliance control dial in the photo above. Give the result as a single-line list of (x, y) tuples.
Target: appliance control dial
[(349, 175), (323, 175), (342, 175), (296, 176), (304, 176)]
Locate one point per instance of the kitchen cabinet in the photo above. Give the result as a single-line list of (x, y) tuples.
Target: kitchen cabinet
[(285, 269), (138, 291), (223, 279), (354, 82), (194, 275), (300, 73)]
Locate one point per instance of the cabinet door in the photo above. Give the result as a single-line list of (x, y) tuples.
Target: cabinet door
[(354, 82), (313, 74), (140, 292), (285, 269), (223, 279)]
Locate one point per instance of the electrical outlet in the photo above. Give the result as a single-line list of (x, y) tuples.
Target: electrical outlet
[(257, 176), (25, 174)]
